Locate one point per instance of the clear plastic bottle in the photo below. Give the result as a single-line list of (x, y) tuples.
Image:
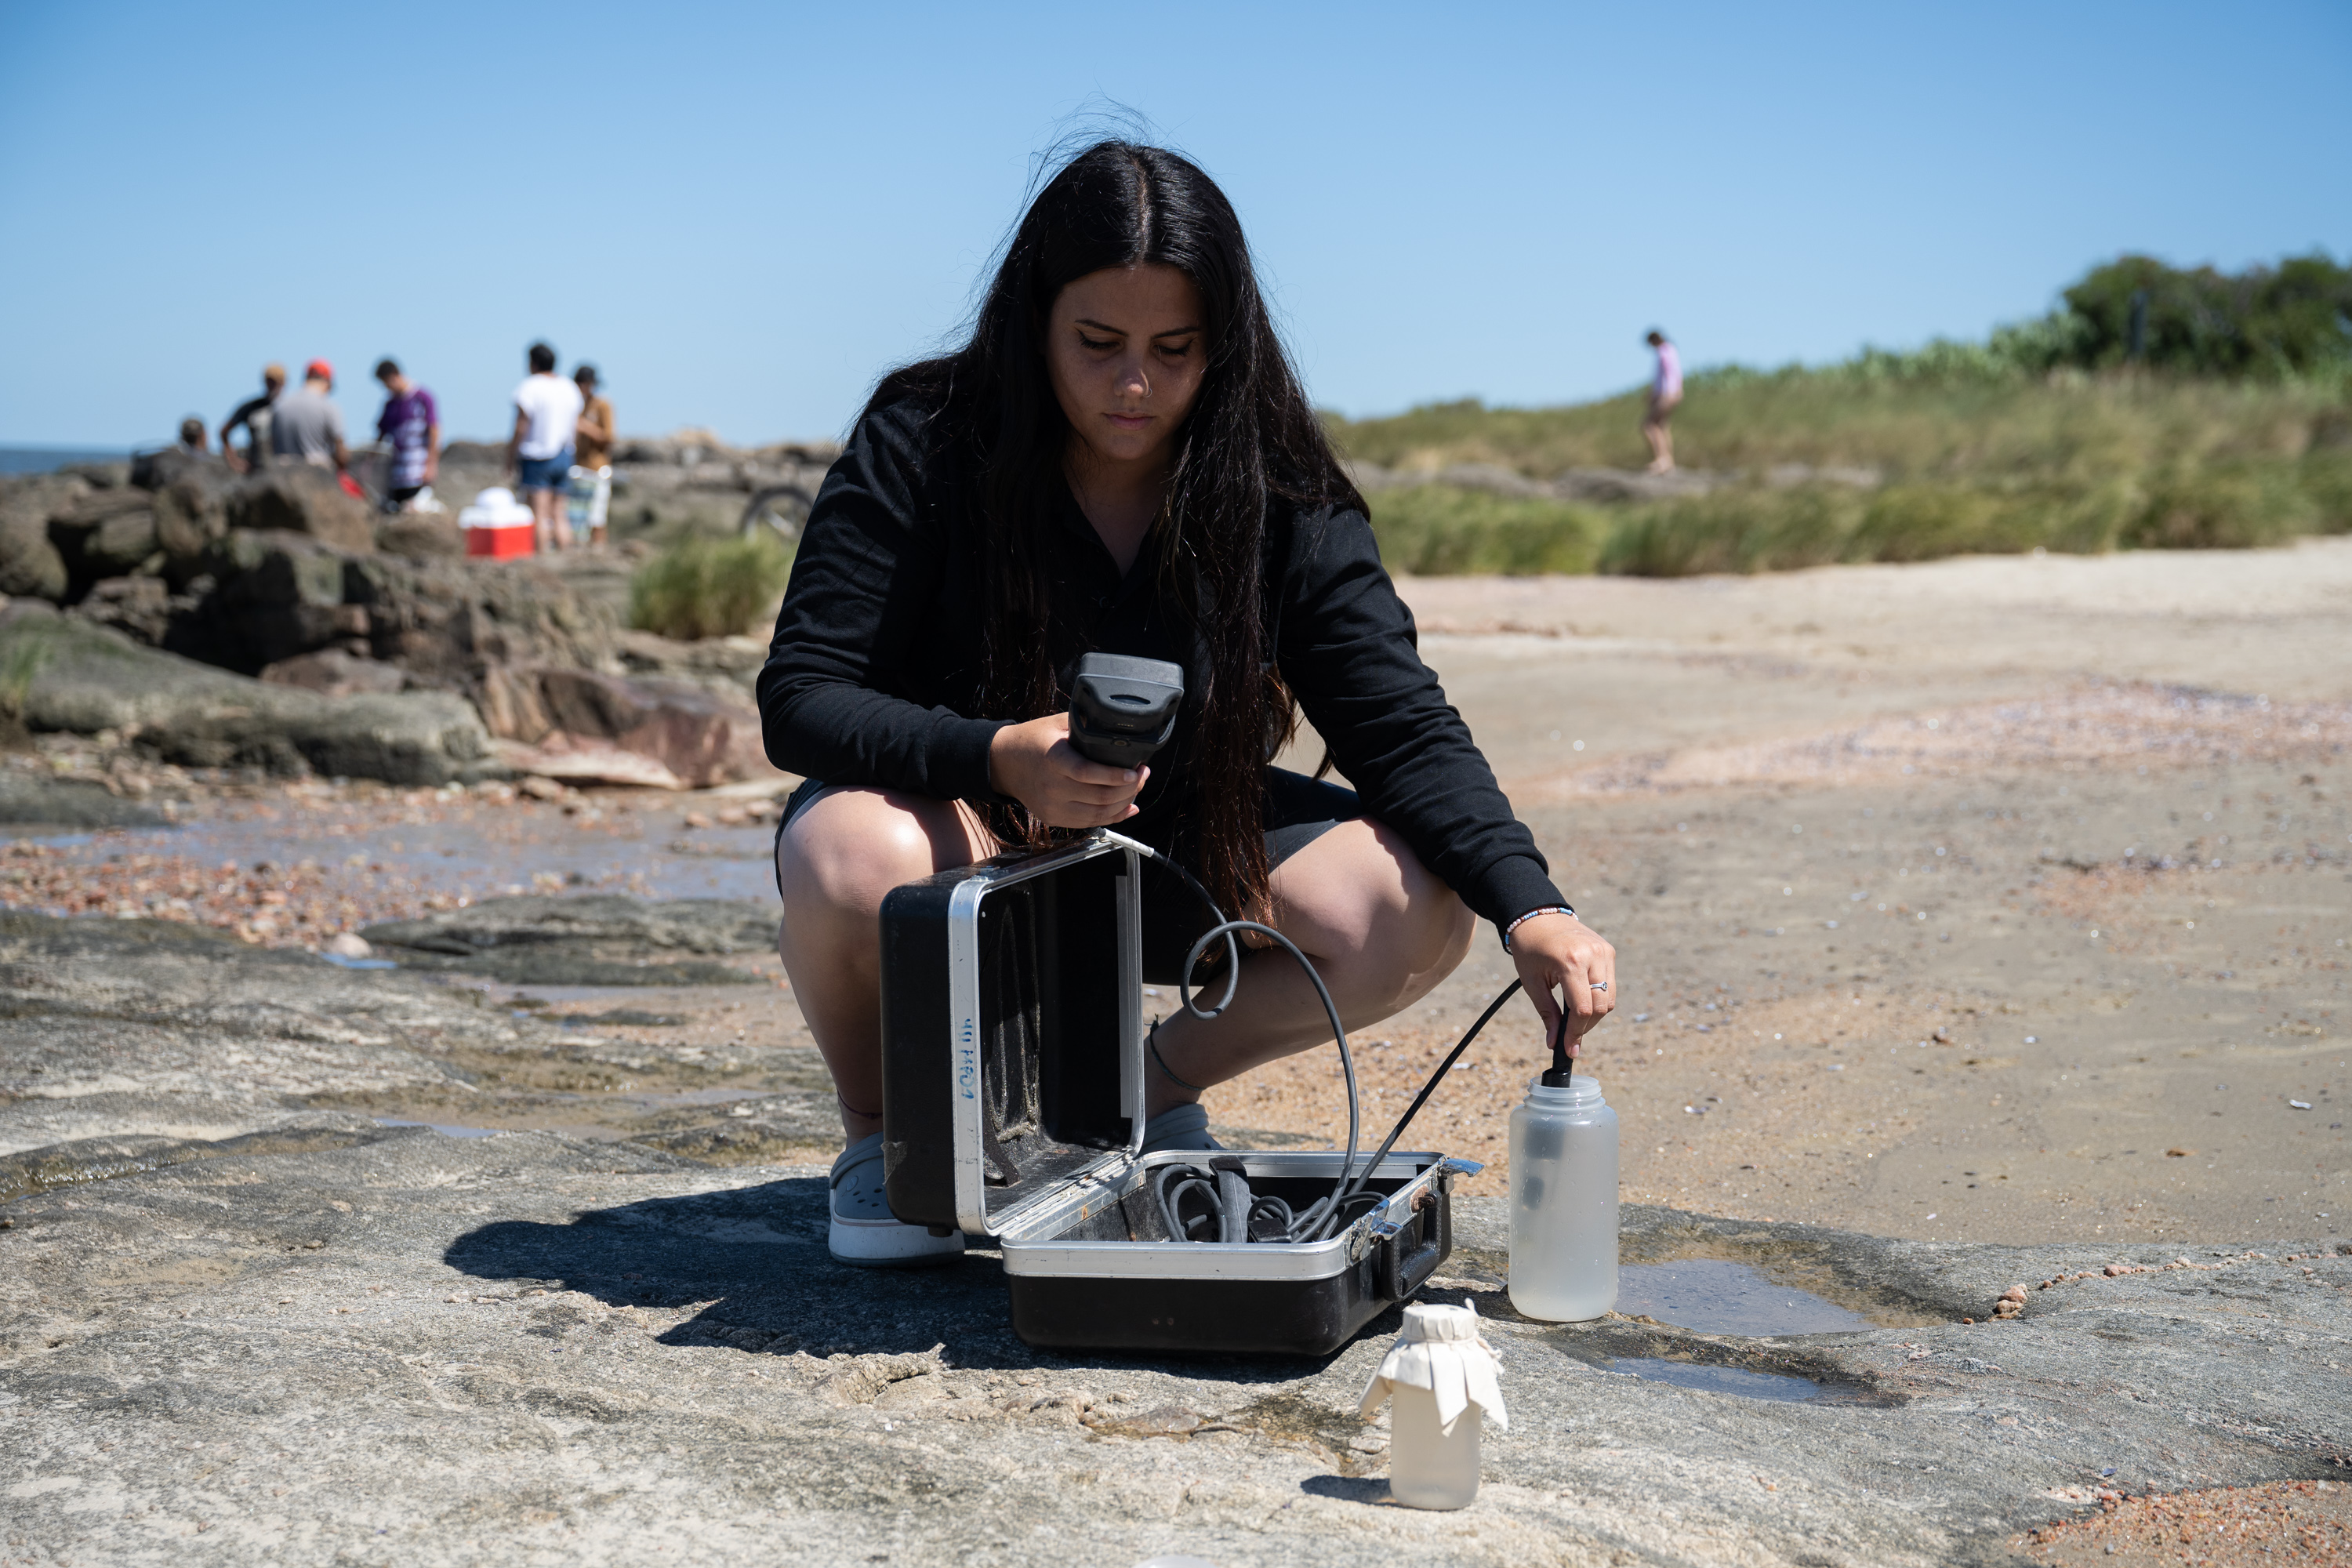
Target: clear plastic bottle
[(1563, 1202)]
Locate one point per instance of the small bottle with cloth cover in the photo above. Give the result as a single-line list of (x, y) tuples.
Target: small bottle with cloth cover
[(1441, 1375)]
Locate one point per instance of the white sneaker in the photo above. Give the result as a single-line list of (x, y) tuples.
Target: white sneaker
[(864, 1233)]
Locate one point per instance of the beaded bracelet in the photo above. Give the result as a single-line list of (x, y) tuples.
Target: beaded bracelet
[(1547, 910)]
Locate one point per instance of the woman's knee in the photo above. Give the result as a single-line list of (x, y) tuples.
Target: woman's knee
[(1430, 926), (850, 846), (1361, 891)]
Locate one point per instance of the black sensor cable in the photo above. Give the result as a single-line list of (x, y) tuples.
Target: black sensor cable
[(1218, 1205)]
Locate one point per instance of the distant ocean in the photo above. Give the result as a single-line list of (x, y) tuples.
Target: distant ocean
[(42, 460)]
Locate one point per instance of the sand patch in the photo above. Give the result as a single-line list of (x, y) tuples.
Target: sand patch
[(2144, 722)]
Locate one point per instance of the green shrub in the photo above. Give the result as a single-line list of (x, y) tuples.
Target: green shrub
[(1434, 530), (2234, 506), (2237, 432), (2092, 520), (1734, 530), (2327, 476), (708, 588), (1927, 522)]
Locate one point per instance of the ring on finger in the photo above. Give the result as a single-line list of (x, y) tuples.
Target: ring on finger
[(1598, 986)]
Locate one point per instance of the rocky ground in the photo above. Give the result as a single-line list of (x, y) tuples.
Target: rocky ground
[(269, 623), (551, 1188)]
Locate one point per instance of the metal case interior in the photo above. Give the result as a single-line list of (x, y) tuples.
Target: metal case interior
[(1013, 1090)]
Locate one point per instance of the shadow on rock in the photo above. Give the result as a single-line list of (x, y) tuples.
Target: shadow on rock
[(754, 1259), (1347, 1488)]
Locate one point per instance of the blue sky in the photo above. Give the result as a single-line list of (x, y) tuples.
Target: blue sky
[(744, 214)]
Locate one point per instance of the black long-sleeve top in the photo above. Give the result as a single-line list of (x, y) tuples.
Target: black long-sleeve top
[(874, 674)]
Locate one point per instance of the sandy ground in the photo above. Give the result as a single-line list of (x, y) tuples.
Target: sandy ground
[(1988, 900), (1997, 900), (2307, 1522)]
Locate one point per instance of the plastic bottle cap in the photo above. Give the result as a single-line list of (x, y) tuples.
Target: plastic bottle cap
[(1580, 1091)]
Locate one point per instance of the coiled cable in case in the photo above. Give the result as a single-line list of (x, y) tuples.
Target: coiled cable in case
[(1213, 1202)]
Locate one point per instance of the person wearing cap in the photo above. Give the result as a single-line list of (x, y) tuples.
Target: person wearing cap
[(253, 416), (306, 426), (547, 414), (591, 465)]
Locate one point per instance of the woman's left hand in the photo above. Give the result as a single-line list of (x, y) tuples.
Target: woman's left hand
[(1560, 951)]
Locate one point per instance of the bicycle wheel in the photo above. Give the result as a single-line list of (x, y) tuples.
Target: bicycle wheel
[(777, 512)]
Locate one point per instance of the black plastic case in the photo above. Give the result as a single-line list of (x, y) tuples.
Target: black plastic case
[(1012, 1078)]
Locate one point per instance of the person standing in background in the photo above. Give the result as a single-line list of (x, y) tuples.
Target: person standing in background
[(1665, 393), (411, 425), (192, 437), (592, 465), (547, 411), (306, 426), (253, 414)]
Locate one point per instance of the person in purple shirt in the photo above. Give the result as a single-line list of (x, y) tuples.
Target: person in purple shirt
[(1665, 394), (411, 425)]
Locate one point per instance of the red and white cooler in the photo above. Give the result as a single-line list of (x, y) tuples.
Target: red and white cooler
[(497, 525)]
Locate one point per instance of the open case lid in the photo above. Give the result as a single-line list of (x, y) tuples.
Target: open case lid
[(1013, 1035)]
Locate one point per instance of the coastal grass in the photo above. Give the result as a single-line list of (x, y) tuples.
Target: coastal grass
[(703, 587), (1952, 458), (1440, 530)]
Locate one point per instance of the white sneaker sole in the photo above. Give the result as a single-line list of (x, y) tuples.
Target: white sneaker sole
[(887, 1244)]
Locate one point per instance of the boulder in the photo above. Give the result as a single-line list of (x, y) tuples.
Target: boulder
[(141, 607), (190, 517), (420, 535), (448, 622), (267, 597), (415, 738), (34, 797), (728, 667), (331, 672), (100, 476), (155, 470), (275, 594), (86, 679), (298, 498), (30, 566), (590, 725), (110, 534)]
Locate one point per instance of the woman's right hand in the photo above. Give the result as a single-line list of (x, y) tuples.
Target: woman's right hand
[(1036, 765)]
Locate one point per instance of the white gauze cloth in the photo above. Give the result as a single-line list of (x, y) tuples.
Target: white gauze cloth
[(1440, 1351)]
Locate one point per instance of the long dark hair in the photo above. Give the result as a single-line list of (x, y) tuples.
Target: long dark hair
[(1250, 440)]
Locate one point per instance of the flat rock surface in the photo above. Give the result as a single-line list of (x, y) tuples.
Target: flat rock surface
[(607, 939), (2114, 1040), (70, 803), (87, 679), (240, 1315), (525, 1348)]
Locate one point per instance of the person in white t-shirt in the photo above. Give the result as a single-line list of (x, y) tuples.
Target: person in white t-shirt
[(547, 410)]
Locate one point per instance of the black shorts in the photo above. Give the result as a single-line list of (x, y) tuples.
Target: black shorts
[(1299, 810)]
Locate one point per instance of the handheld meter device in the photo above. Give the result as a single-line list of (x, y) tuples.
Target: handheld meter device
[(1123, 710)]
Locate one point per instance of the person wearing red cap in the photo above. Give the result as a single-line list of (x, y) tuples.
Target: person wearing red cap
[(306, 426)]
